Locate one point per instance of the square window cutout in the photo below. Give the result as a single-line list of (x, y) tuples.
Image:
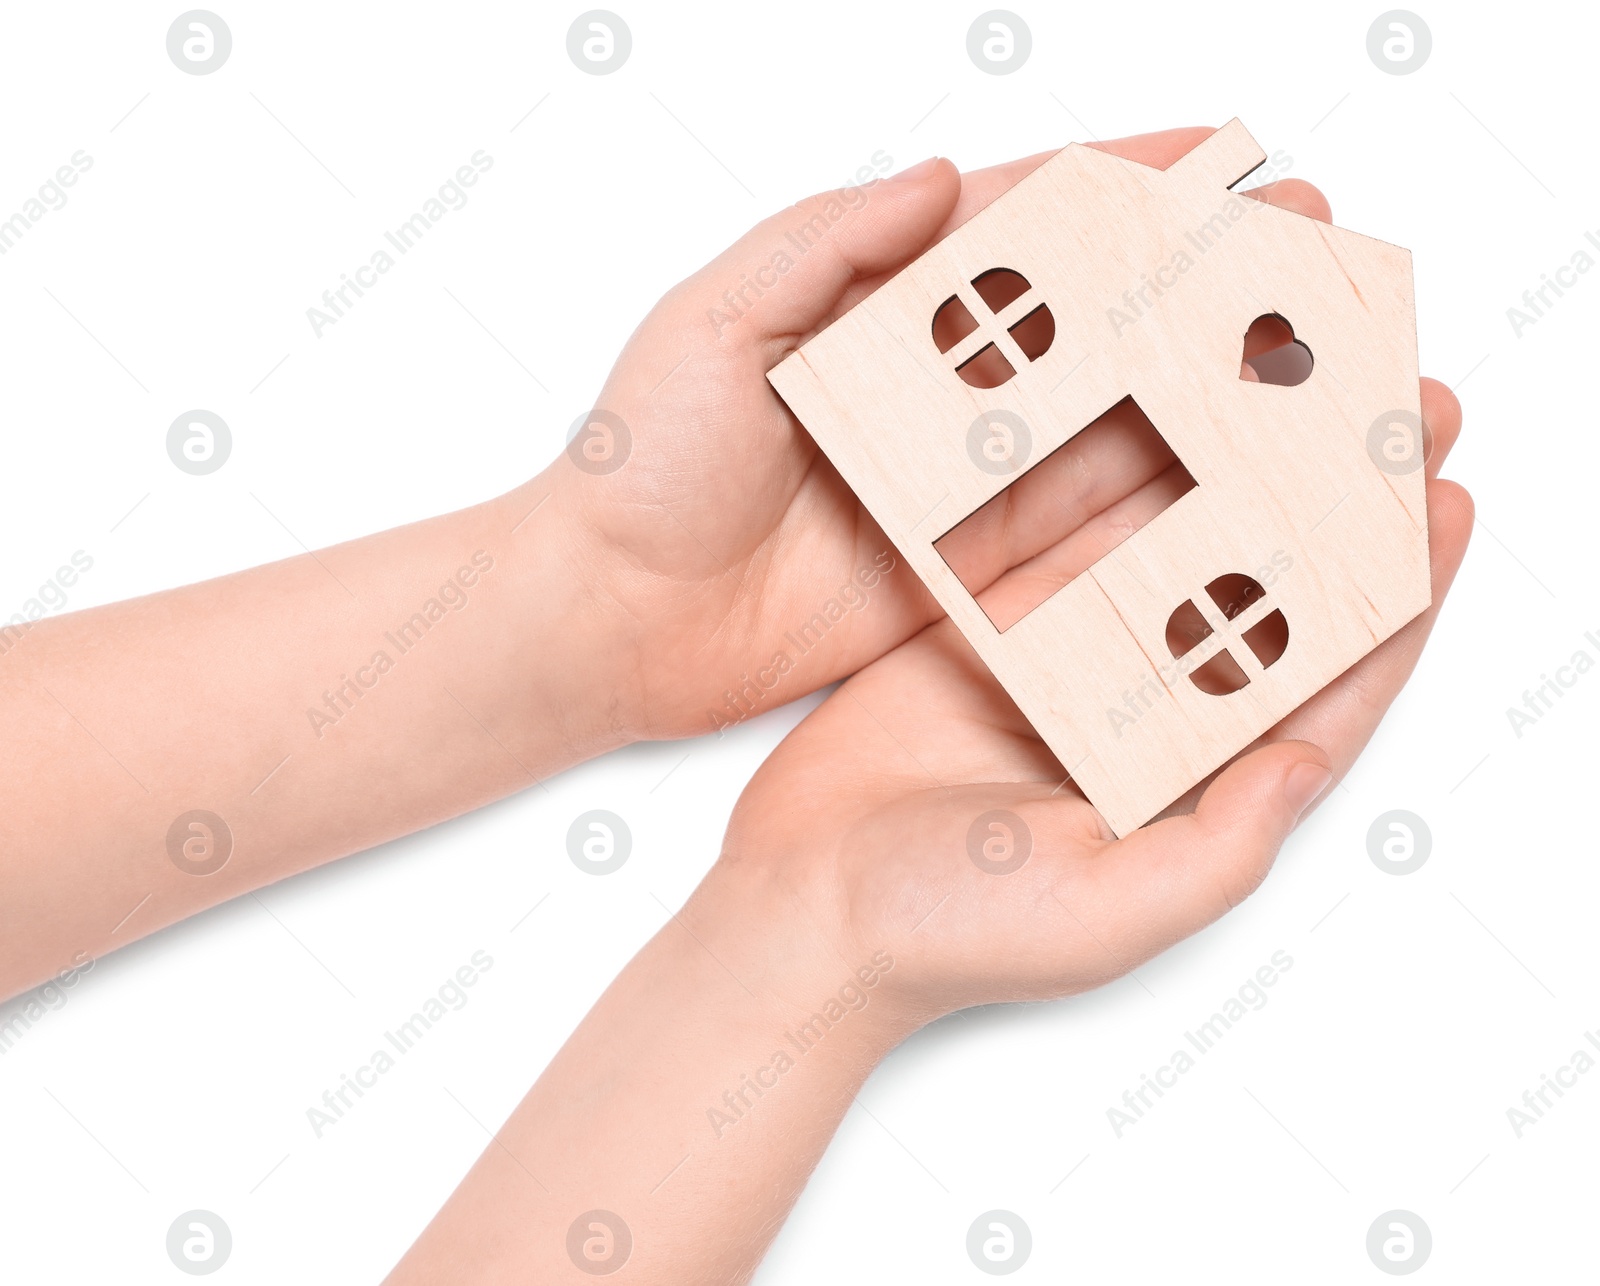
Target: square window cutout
[(1035, 538)]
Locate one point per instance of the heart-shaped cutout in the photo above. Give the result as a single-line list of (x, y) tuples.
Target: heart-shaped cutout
[(1272, 355)]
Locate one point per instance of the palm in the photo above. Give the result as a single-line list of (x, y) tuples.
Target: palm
[(896, 770), (731, 567)]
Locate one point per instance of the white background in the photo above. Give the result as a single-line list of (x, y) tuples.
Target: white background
[(1419, 1007)]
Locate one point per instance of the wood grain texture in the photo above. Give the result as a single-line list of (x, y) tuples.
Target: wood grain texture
[(1285, 474)]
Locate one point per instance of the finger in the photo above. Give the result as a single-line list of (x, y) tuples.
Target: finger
[(1441, 419), (1158, 150), (1115, 456), (1296, 195), (1027, 585), (1174, 877), (784, 277), (979, 188), (1344, 715)]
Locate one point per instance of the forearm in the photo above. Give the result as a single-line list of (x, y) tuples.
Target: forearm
[(699, 1093), (317, 706)]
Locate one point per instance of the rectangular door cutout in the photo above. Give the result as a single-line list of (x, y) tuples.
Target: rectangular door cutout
[(1062, 515)]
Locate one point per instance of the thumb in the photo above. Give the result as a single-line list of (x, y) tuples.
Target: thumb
[(784, 276), (1185, 872)]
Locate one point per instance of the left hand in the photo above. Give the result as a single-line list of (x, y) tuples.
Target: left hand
[(726, 528)]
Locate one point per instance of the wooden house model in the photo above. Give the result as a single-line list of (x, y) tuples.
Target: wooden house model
[(1302, 544)]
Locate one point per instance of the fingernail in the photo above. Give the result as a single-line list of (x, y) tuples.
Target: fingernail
[(920, 170), (1305, 782)]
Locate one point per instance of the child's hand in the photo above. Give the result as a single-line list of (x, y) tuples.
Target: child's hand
[(725, 528), (874, 814)]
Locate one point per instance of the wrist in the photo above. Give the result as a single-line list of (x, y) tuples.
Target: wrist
[(795, 969), (569, 666)]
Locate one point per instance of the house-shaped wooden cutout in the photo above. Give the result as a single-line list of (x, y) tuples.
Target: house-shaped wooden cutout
[(1321, 482)]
